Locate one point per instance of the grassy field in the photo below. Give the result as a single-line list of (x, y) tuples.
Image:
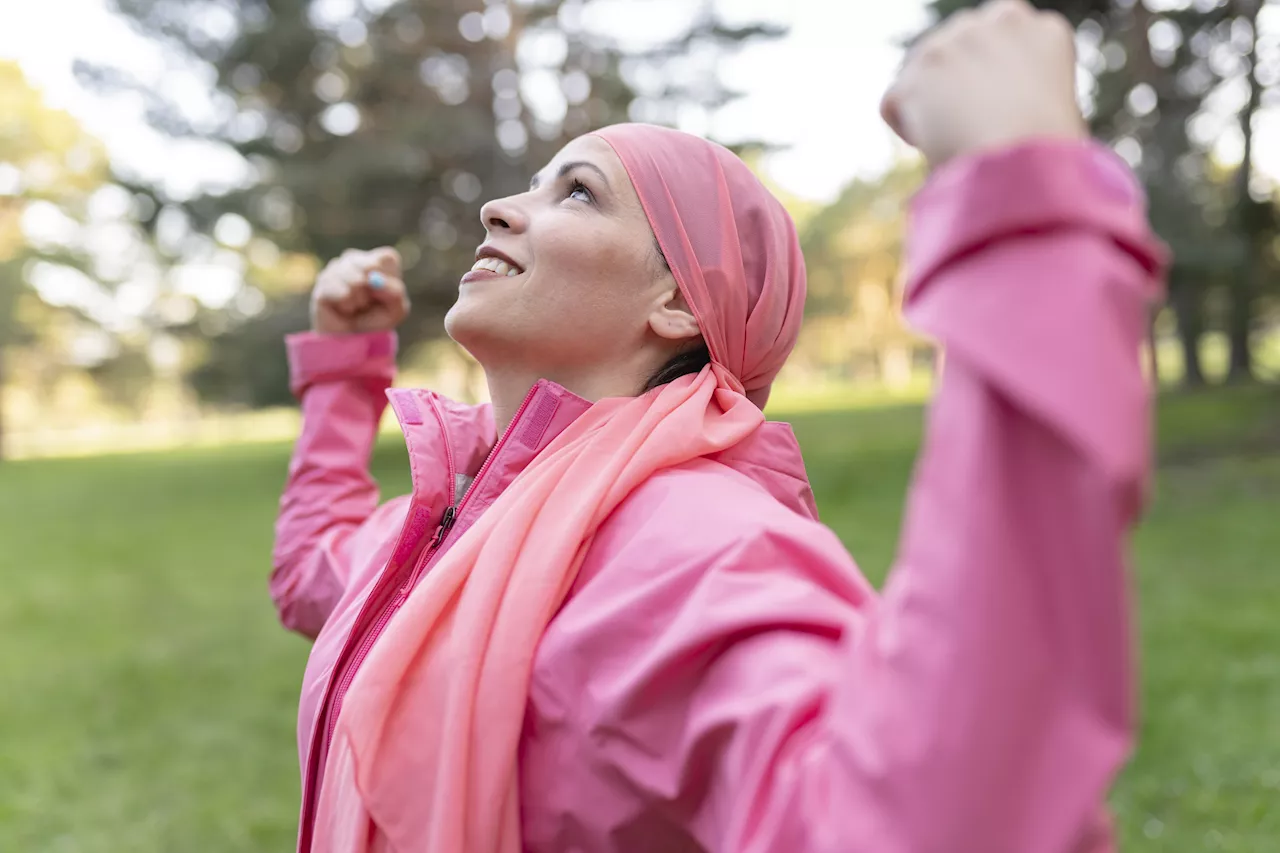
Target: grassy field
[(147, 694)]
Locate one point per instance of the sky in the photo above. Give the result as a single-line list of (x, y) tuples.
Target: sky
[(816, 90)]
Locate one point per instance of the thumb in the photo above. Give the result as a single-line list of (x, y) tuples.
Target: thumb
[(386, 259)]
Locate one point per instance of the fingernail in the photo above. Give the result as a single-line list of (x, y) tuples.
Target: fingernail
[(377, 280)]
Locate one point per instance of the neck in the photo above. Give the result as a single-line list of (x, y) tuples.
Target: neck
[(509, 388)]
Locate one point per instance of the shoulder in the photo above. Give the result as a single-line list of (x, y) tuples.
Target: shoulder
[(700, 589), (705, 516)]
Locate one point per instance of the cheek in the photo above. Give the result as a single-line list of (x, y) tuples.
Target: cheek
[(587, 267)]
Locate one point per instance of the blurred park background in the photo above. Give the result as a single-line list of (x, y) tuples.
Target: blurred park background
[(173, 173)]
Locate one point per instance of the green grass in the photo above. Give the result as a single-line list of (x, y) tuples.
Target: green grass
[(147, 695)]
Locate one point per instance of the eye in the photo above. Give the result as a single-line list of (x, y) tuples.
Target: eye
[(578, 190)]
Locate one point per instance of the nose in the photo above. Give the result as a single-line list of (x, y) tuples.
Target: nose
[(503, 214)]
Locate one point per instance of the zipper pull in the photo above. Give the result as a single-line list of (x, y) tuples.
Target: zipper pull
[(446, 524)]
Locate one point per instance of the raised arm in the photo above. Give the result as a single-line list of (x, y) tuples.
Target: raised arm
[(988, 696), (339, 373), (985, 704)]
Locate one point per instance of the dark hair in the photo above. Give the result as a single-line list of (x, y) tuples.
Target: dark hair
[(683, 363)]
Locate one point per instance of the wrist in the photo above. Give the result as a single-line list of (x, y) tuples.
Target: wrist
[(995, 143), (338, 330), (316, 357)]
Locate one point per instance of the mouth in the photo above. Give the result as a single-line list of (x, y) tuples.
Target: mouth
[(497, 266)]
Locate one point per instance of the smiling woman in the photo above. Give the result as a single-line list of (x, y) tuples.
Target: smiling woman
[(607, 617), (588, 308)]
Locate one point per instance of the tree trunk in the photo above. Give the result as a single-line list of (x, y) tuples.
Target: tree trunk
[(1240, 320), (1240, 325), (1188, 309)]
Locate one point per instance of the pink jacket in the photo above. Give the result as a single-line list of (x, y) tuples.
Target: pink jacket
[(721, 676)]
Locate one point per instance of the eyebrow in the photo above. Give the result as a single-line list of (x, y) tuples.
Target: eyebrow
[(569, 167)]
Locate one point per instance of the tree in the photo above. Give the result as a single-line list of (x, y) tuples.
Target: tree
[(852, 250), (48, 168), (387, 123), (1253, 218)]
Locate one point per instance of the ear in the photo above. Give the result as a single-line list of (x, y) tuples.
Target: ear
[(672, 319)]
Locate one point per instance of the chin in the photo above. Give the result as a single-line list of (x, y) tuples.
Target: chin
[(460, 323), (477, 330)]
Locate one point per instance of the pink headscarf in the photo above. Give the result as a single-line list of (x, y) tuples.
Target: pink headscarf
[(423, 755), (731, 246)]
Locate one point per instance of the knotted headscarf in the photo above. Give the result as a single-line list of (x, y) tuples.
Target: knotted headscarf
[(423, 755)]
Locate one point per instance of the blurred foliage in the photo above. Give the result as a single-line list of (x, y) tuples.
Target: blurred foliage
[(389, 123), (49, 167), (371, 122), (853, 249)]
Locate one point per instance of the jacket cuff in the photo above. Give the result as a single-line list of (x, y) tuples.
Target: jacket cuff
[(1035, 187), (316, 358)]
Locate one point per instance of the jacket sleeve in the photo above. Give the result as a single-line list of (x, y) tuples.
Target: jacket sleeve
[(341, 382), (983, 703)]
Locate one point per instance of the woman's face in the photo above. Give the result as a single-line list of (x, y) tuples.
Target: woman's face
[(588, 292)]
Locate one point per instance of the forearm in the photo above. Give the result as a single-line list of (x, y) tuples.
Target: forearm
[(984, 702), (992, 684), (329, 492)]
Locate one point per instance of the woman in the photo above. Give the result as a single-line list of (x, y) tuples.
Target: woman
[(607, 618)]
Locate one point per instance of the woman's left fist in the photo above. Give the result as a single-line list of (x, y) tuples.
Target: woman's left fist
[(987, 78)]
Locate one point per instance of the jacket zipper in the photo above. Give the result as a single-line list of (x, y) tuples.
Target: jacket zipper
[(420, 563), (328, 714), (452, 514), (332, 702)]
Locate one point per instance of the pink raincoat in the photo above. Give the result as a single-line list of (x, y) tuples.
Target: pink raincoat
[(720, 676)]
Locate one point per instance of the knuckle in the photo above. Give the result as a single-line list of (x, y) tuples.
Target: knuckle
[(391, 259), (959, 23), (929, 45), (1008, 8), (1057, 24), (928, 52)]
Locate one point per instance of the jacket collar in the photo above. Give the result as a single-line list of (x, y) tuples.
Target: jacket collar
[(446, 438)]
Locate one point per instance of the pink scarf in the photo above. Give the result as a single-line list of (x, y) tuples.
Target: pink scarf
[(424, 753)]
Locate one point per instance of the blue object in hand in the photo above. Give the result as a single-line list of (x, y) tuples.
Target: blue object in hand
[(377, 280)]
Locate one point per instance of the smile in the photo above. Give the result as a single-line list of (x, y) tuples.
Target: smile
[(496, 266)]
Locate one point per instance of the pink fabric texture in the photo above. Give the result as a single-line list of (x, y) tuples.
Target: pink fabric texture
[(710, 671), (731, 246)]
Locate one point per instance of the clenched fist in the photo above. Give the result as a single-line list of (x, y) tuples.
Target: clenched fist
[(359, 292), (987, 78)]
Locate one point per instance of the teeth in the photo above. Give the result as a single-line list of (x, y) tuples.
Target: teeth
[(496, 266)]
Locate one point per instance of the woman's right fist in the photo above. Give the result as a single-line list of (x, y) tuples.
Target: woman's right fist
[(359, 292), (990, 77)]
